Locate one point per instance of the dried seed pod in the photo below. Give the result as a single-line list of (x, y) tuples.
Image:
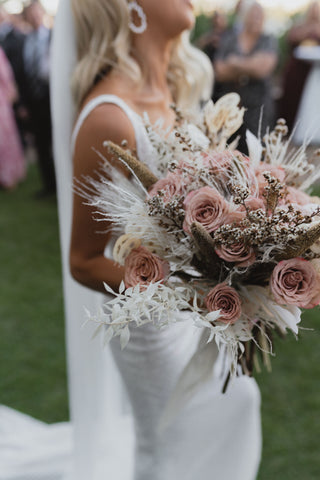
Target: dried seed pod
[(304, 241), (123, 246), (146, 177), (203, 240), (272, 200), (207, 258)]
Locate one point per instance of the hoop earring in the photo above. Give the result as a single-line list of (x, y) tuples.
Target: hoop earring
[(134, 7)]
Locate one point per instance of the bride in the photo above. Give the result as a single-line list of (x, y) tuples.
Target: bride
[(132, 58)]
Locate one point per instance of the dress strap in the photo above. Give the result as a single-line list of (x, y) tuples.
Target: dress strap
[(101, 99)]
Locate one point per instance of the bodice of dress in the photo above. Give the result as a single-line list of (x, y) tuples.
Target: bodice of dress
[(143, 145)]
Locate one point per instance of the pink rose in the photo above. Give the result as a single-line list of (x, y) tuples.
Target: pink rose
[(297, 196), (185, 171), (219, 163), (275, 170), (236, 215), (238, 253), (143, 267), (171, 185), (254, 203), (207, 207), (227, 300), (295, 282)]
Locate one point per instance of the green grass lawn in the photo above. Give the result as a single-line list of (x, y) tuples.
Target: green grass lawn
[(32, 352)]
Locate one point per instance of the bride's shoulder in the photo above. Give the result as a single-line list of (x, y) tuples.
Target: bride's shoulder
[(105, 122), (108, 122), (104, 115)]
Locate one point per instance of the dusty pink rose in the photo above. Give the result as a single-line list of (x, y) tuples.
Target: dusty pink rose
[(236, 215), (227, 300), (275, 170), (185, 171), (295, 282), (207, 207), (184, 166), (143, 267), (241, 255), (170, 186), (297, 196), (219, 163), (254, 203)]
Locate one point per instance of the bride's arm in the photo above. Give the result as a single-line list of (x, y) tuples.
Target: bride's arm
[(87, 262)]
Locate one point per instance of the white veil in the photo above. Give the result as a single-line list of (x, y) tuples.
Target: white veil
[(102, 431)]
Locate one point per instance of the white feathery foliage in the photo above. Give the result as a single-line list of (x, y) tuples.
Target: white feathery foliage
[(263, 306), (254, 149), (157, 304), (299, 170), (112, 192), (168, 246), (121, 202), (115, 202)]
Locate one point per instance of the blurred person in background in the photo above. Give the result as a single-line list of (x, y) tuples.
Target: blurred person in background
[(235, 18), (305, 31), (210, 41), (36, 57), (244, 64), (19, 23), (12, 162), (12, 40)]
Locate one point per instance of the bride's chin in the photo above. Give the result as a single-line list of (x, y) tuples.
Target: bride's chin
[(186, 24)]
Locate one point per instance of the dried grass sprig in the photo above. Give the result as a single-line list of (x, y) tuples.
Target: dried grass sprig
[(303, 242), (146, 177)]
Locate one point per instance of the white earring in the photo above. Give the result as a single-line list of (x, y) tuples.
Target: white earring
[(134, 7)]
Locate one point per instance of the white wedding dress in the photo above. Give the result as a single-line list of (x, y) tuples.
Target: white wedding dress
[(307, 119)]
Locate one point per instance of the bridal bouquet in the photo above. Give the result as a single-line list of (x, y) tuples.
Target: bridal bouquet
[(233, 239)]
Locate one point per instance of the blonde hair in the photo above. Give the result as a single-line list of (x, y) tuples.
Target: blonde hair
[(104, 43)]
